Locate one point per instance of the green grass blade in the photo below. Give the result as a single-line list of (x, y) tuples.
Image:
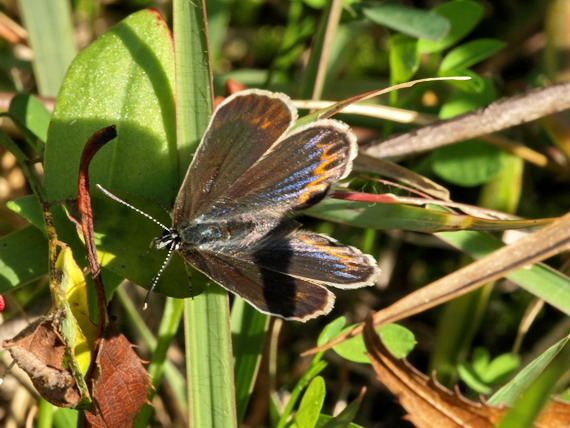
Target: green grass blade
[(52, 39), (315, 74), (193, 78), (383, 216), (209, 359), (218, 18), (529, 405), (248, 335), (23, 257), (512, 390), (207, 331)]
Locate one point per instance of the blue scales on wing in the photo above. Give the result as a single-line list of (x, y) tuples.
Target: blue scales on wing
[(295, 172)]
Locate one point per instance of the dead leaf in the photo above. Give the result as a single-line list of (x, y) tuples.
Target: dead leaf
[(429, 404), (39, 351), (120, 385)]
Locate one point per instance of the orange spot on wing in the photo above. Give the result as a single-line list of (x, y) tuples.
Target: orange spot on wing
[(321, 173)]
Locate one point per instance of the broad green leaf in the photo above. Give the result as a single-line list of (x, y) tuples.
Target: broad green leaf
[(509, 392), (331, 330), (399, 340), (31, 113), (23, 257), (311, 404), (467, 164), (474, 85), (124, 247), (471, 378), (470, 53), (503, 192), (28, 207), (499, 367), (483, 372), (123, 241), (65, 418), (124, 78), (413, 22), (52, 39), (404, 58), (463, 15), (459, 103)]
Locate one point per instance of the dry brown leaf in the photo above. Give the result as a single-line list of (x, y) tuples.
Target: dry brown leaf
[(39, 351), (120, 383), (429, 404)]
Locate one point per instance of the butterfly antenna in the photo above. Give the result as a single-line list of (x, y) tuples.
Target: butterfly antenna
[(154, 281), (116, 198)]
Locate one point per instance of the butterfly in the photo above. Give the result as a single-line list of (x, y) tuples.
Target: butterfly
[(232, 216)]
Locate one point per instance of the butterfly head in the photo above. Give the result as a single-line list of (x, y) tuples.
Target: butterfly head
[(170, 239)]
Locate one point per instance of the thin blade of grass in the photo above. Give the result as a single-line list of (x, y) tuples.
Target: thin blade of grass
[(315, 73), (391, 214), (529, 405), (52, 39), (248, 335), (516, 386), (209, 359), (209, 365)]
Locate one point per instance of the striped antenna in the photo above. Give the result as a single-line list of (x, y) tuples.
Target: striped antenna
[(171, 248), (154, 280), (116, 198)]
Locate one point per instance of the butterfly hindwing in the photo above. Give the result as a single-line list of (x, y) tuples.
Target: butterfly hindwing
[(270, 292), (319, 259)]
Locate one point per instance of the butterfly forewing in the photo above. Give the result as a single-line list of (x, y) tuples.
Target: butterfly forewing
[(241, 130), (295, 171)]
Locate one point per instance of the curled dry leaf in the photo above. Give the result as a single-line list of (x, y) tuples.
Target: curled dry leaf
[(39, 350), (429, 404), (120, 383)]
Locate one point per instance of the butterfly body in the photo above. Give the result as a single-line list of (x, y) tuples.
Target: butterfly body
[(223, 235)]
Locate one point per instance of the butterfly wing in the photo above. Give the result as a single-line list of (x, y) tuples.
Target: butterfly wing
[(241, 130), (271, 292), (318, 259), (295, 172)]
